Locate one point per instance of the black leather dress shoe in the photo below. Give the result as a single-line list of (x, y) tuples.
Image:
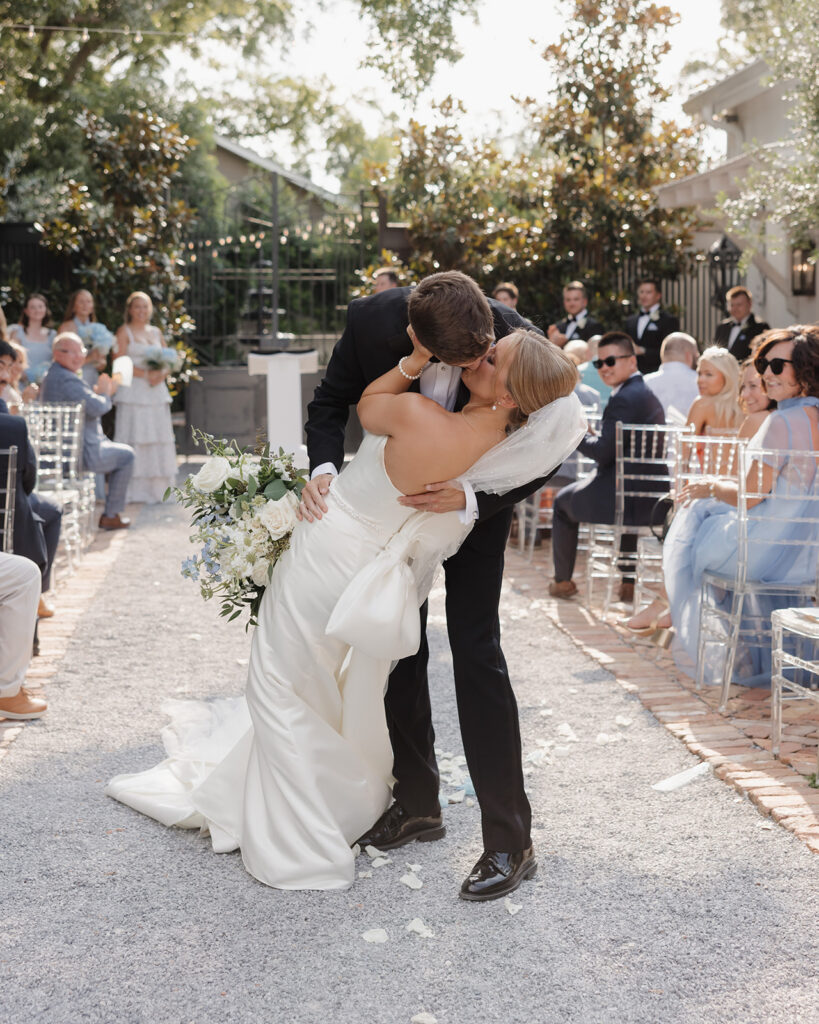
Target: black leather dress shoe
[(395, 828), (497, 874)]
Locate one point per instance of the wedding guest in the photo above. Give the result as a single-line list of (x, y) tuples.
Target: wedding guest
[(651, 326), (383, 279), (144, 410), (37, 521), (3, 325), (79, 315), (116, 461), (753, 400), (10, 393), (738, 331), (507, 293), (703, 534), (675, 383), (589, 375), (34, 334), (19, 594), (592, 500), (716, 409), (578, 322)]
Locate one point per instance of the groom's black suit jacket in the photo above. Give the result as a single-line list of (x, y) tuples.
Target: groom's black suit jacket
[(374, 339)]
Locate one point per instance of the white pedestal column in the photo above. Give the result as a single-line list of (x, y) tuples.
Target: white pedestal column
[(284, 416)]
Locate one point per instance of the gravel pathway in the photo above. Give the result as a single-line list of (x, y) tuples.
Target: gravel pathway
[(678, 907)]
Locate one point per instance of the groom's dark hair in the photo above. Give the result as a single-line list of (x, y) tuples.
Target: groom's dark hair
[(451, 317)]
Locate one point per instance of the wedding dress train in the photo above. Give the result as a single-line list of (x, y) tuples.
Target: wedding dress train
[(294, 774)]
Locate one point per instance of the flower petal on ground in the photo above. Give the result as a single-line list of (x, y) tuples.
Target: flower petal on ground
[(682, 778), (424, 1018), (380, 862), (411, 881), (417, 925), (513, 908), (375, 935), (567, 732), (372, 853), (622, 721), (365, 874)]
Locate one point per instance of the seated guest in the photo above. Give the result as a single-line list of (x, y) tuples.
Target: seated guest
[(35, 335), (589, 375), (590, 400), (675, 383), (578, 322), (651, 326), (507, 293), (12, 395), (19, 593), (116, 461), (753, 400), (383, 279), (716, 410), (738, 331), (703, 533), (36, 520), (592, 500)]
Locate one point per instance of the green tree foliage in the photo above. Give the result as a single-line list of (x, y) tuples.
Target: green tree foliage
[(578, 199), (123, 232)]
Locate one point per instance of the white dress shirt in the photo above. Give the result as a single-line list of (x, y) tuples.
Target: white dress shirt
[(675, 384), (440, 383), (735, 332), (644, 319)]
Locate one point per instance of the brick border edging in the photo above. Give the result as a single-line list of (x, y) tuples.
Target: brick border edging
[(776, 790)]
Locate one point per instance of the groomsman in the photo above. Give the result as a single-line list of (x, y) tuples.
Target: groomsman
[(651, 326), (738, 331), (578, 323)]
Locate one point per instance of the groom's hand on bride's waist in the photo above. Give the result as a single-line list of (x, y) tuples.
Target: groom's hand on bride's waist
[(312, 505), (444, 497)]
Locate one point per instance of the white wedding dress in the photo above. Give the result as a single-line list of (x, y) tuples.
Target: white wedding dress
[(296, 772)]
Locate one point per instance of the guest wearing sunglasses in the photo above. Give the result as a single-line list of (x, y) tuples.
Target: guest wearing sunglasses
[(703, 534), (592, 500)]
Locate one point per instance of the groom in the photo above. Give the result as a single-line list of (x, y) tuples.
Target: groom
[(454, 320)]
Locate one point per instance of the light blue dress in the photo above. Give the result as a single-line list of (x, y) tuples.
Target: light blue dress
[(39, 352), (703, 537)]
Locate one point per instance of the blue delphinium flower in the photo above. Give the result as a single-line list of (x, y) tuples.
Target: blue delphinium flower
[(190, 569)]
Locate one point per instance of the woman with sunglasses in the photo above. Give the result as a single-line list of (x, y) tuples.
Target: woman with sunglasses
[(703, 535)]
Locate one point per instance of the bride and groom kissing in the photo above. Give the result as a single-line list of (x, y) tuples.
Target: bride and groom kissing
[(320, 755)]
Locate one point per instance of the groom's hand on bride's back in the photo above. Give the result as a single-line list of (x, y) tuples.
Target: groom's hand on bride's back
[(444, 497), (312, 505)]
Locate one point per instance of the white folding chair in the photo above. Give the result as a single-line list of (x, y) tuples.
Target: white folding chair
[(8, 485), (642, 475), (794, 664), (735, 608)]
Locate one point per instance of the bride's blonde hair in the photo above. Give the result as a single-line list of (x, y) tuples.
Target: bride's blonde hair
[(539, 372)]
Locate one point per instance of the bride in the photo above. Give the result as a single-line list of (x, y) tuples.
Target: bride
[(296, 771)]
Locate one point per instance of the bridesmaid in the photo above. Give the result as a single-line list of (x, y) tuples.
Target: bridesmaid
[(35, 335), (79, 314), (144, 409)]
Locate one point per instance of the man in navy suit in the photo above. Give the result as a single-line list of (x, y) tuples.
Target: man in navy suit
[(651, 326), (36, 520), (592, 500)]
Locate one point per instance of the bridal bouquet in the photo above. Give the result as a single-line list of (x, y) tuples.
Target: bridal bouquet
[(158, 357), (244, 510), (96, 336)]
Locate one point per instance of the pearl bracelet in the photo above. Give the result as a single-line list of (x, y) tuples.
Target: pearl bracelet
[(712, 486), (404, 373)]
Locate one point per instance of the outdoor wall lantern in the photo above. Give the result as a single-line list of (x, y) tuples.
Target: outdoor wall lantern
[(803, 269), (723, 260)]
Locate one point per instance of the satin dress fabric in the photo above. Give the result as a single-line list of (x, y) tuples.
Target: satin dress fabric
[(296, 771)]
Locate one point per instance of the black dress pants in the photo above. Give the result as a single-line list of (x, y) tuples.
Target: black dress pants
[(487, 708)]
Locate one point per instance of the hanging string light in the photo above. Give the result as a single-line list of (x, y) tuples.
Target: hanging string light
[(86, 31)]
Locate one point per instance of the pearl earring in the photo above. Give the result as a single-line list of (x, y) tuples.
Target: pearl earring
[(494, 408)]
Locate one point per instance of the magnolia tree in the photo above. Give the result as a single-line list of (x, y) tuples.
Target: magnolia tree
[(577, 199)]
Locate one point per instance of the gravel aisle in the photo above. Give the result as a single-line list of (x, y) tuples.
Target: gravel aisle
[(648, 907)]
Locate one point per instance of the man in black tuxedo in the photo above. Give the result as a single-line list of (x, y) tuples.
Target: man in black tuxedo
[(592, 500), (36, 521), (739, 330), (578, 322), (650, 326), (454, 320)]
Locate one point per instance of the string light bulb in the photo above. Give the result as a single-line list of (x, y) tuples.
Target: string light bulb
[(30, 32), (137, 37), (84, 36)]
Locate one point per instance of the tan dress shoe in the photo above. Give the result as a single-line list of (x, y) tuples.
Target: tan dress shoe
[(116, 522), (563, 588), (44, 609), (22, 705)]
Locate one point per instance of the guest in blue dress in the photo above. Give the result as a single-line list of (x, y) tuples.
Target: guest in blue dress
[(703, 536), (34, 334), (79, 318)]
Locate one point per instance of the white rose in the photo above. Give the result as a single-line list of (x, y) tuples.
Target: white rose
[(248, 467), (212, 475), (279, 517), (259, 574)]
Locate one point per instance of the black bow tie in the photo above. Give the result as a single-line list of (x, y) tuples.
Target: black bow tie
[(645, 312), (737, 323), (572, 320)]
